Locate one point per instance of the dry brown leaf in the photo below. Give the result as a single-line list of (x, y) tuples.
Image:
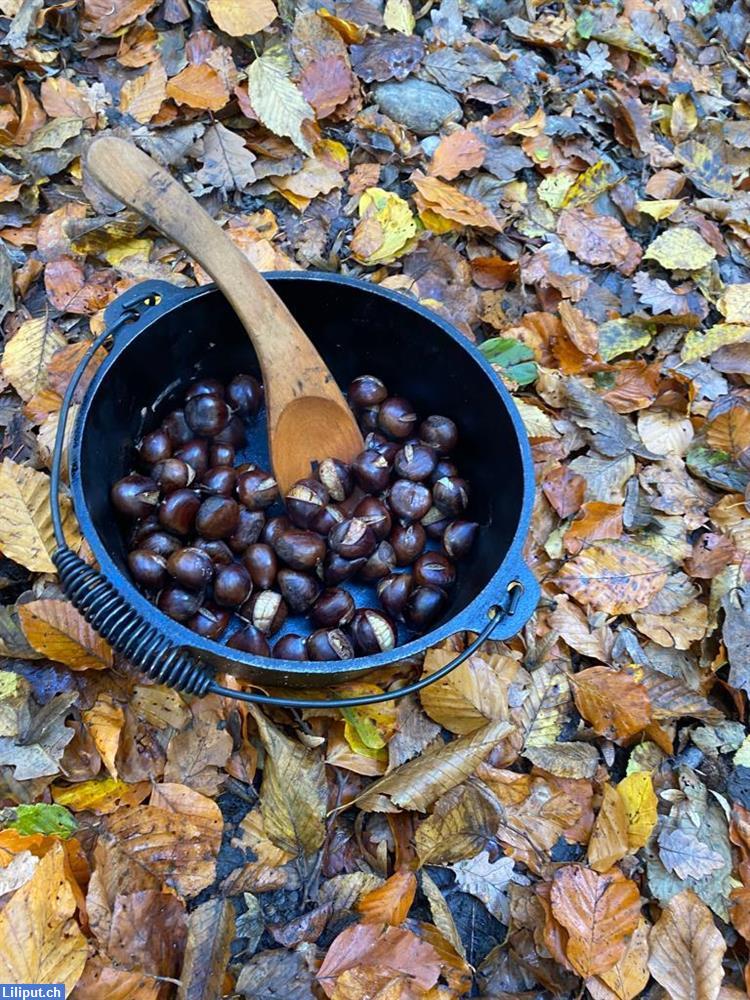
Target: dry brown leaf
[(541, 715), (469, 697), (104, 722), (687, 949), (199, 86), (57, 630), (583, 332), (609, 838), (211, 929), (42, 943), (390, 902), (612, 577), (614, 703), (456, 153), (242, 17), (61, 98), (326, 84), (100, 979), (596, 521), (599, 912), (598, 239), (449, 203), (28, 354), (142, 96), (461, 825), (574, 627), (627, 979)]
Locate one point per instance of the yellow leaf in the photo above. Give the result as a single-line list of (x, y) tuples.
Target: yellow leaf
[(612, 701), (639, 799), (48, 946), (553, 189), (386, 227), (26, 534), (684, 117), (100, 795), (104, 722), (199, 86), (469, 697), (398, 16), (278, 102), (118, 252), (28, 354), (680, 249), (698, 345), (600, 177), (242, 17), (659, 210), (57, 630), (142, 97), (613, 577), (353, 34), (436, 223), (609, 838), (450, 203), (734, 304)]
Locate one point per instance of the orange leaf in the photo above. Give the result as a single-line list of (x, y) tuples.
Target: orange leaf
[(609, 838), (390, 949), (599, 912), (446, 201), (599, 521), (199, 87), (613, 577), (62, 99), (614, 704), (493, 272), (32, 115), (460, 151), (142, 96), (390, 902), (57, 630), (598, 239), (327, 83)]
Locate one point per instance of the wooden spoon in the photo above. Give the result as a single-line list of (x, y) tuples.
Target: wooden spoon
[(308, 417)]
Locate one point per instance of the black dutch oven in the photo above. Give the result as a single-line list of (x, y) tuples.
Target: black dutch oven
[(162, 338)]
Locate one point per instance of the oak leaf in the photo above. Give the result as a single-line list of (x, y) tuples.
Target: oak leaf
[(227, 162), (687, 949), (614, 703), (57, 630)]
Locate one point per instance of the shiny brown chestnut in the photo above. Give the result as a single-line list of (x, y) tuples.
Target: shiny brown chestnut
[(366, 390), (371, 471), (300, 549), (204, 387), (409, 501), (219, 480), (233, 433), (451, 495), (155, 447), (142, 528), (435, 522), (262, 564), (368, 418), (352, 539), (177, 511), (217, 517), (257, 489), (250, 524), (161, 542), (396, 417), (336, 569), (304, 501), (148, 568), (434, 569), (172, 474), (444, 467), (329, 644), (135, 496), (458, 538), (408, 541), (191, 567), (328, 518), (210, 621), (440, 433), (178, 603), (250, 640), (299, 590), (415, 462), (334, 607), (290, 647), (376, 515), (372, 631), (266, 610), (424, 607), (177, 427), (207, 414), (221, 454), (380, 564), (195, 453), (219, 552), (274, 527), (336, 477), (388, 449), (245, 395), (394, 592), (232, 585)]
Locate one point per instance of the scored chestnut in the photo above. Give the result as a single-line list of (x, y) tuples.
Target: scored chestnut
[(219, 552), (219, 480), (232, 585), (155, 447), (135, 495), (245, 395), (397, 417), (329, 644), (408, 500), (328, 518), (217, 517), (148, 568), (305, 500), (262, 564), (368, 418), (336, 477), (424, 607), (233, 433), (380, 564), (172, 474), (195, 453), (444, 467), (257, 489), (299, 590), (142, 528), (458, 538), (177, 427), (388, 449), (178, 603), (352, 539), (250, 640), (435, 522), (333, 608), (394, 592), (162, 543), (290, 647), (376, 515), (336, 568), (250, 524), (440, 433), (451, 495), (415, 461), (177, 511), (191, 567), (266, 610), (372, 631), (209, 621), (434, 569), (408, 541), (366, 390), (274, 527), (207, 414), (371, 471)]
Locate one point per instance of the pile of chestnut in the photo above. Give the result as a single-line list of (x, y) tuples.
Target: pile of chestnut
[(207, 544)]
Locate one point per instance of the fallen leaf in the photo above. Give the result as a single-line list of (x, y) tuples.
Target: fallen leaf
[(449, 203), (242, 17), (104, 721), (609, 838), (627, 979), (734, 303), (469, 697), (390, 902), (487, 880), (680, 248), (457, 153), (615, 704), (28, 354), (278, 103), (463, 822), (612, 578), (100, 795), (385, 229), (687, 950), (211, 928), (142, 96), (227, 162), (637, 793), (326, 84), (540, 716), (682, 853), (61, 98), (57, 630), (199, 86), (598, 239)]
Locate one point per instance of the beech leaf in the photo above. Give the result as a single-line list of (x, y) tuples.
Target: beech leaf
[(687, 949)]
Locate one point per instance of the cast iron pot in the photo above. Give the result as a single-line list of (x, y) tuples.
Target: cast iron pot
[(163, 337)]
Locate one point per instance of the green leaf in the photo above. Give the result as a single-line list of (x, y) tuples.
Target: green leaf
[(54, 821), (585, 24), (515, 358), (624, 335)]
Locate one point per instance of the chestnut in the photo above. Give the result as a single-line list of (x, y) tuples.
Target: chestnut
[(408, 500), (424, 607), (261, 563), (232, 585), (388, 449), (209, 621), (408, 541), (177, 427), (257, 489), (207, 414), (266, 610), (366, 390), (394, 591), (458, 538), (220, 453), (290, 647), (328, 518), (219, 480), (142, 528), (329, 644), (250, 524), (435, 522), (352, 539), (135, 496), (217, 517), (368, 418), (371, 471), (336, 477), (336, 569), (434, 569), (195, 453), (298, 589), (274, 527), (218, 552), (333, 608), (440, 433), (162, 543), (300, 549), (172, 474), (233, 433), (415, 461), (178, 603), (250, 640), (177, 511), (380, 564), (148, 568), (204, 387), (191, 567), (451, 495), (305, 500), (372, 631), (244, 395), (376, 515), (155, 447), (444, 467), (397, 417)]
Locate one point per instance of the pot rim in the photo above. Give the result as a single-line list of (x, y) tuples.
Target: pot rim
[(472, 617)]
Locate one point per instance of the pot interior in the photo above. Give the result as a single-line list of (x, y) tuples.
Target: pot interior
[(356, 330)]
